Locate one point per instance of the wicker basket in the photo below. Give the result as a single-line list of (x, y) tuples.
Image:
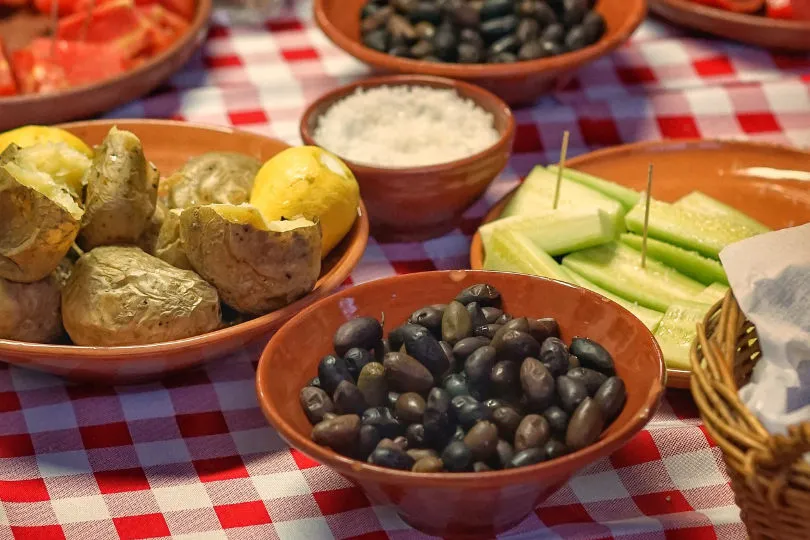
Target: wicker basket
[(771, 481)]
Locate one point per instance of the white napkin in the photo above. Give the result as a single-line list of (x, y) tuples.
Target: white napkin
[(770, 277)]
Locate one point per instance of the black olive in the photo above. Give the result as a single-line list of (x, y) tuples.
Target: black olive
[(594, 25), (430, 318), (494, 29), (331, 370), (592, 355), (496, 8), (576, 38), (468, 35), (554, 32), (391, 458), (363, 332), (456, 384), (445, 43), (457, 457), (477, 317), (377, 40), (356, 359), (528, 30), (507, 44), (426, 11), (384, 420), (574, 12), (483, 294), (531, 51)]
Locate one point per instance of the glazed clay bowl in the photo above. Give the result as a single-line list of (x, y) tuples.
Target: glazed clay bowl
[(418, 203), (92, 99), (169, 145), (460, 504), (519, 83)]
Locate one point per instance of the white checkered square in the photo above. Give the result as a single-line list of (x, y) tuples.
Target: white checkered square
[(78, 509)]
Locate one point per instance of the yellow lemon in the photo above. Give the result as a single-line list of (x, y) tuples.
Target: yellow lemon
[(31, 135), (311, 182)]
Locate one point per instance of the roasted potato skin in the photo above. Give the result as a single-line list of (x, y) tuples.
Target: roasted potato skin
[(255, 271), (214, 177), (169, 245), (121, 192), (31, 311), (35, 232), (119, 295)]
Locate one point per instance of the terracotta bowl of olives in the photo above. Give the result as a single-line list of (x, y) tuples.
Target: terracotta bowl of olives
[(464, 443), (517, 49)]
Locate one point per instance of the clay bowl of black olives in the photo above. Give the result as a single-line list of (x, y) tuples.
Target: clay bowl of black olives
[(517, 49), (463, 398)]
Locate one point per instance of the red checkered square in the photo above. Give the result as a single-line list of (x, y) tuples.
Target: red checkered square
[(224, 468), (678, 127), (216, 31), (9, 401), (410, 267), (105, 435), (247, 117), (82, 391), (340, 500), (527, 139), (45, 532), (242, 514), (560, 515), (713, 66), (691, 533), (121, 480), (708, 436), (303, 461), (202, 424), (758, 122), (185, 379), (376, 535), (664, 502), (640, 449), (296, 55), (143, 526), (19, 491), (599, 131), (228, 60), (16, 445), (284, 25), (636, 75)]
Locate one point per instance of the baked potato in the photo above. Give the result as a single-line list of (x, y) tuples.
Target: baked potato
[(214, 177), (120, 194), (256, 266), (62, 272), (39, 220), (31, 311), (149, 237), (58, 160), (119, 295), (169, 246)]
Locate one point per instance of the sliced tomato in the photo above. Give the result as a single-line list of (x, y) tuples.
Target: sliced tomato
[(779, 9), (13, 3), (115, 23), (36, 75), (184, 8), (8, 86), (737, 6), (66, 7)]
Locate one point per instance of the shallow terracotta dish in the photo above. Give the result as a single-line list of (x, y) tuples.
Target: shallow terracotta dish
[(169, 144), (767, 182), (520, 83), (410, 204), (85, 101), (752, 29), (460, 504)]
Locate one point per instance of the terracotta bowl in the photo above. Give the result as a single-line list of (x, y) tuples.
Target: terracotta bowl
[(766, 181), (170, 144), (774, 34), (520, 83), (411, 204), (459, 504), (89, 100)]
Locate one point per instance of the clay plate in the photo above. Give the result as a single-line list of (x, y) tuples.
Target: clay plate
[(465, 505), (752, 29), (519, 83), (767, 182), (18, 28), (170, 144)]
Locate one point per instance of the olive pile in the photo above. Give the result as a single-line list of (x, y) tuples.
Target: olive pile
[(461, 387), (479, 31)]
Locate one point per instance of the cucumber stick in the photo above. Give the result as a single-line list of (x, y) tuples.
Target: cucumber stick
[(677, 331), (626, 196), (700, 202), (511, 251), (557, 231), (713, 293), (687, 262), (649, 317), (705, 233), (536, 194), (617, 268)]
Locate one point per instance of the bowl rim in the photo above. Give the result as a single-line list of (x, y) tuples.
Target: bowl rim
[(478, 95), (745, 19), (636, 11), (202, 16), (363, 470), (342, 269)]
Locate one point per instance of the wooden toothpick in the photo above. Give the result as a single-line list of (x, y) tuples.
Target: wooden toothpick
[(54, 25), (563, 153), (86, 25), (646, 217)]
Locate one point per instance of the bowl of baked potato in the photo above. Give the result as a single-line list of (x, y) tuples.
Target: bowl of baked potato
[(129, 249)]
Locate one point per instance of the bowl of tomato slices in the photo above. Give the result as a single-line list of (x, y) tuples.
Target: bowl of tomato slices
[(84, 57)]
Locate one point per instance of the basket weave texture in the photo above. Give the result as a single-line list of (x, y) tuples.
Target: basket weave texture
[(771, 481)]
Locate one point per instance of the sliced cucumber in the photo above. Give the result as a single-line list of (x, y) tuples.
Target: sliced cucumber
[(557, 231), (700, 202), (536, 194), (617, 268), (705, 233), (713, 293), (628, 197), (511, 251), (677, 331), (649, 317), (688, 263)]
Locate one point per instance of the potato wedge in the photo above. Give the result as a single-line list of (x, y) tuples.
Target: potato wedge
[(120, 194), (214, 177), (169, 246), (31, 311), (256, 266), (119, 295), (40, 221)]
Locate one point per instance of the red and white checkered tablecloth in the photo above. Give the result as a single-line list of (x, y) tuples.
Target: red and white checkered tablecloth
[(193, 458)]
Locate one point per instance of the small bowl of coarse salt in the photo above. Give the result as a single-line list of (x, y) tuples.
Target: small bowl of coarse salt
[(423, 148)]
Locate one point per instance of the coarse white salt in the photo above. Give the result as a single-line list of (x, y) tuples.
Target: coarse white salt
[(405, 126)]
